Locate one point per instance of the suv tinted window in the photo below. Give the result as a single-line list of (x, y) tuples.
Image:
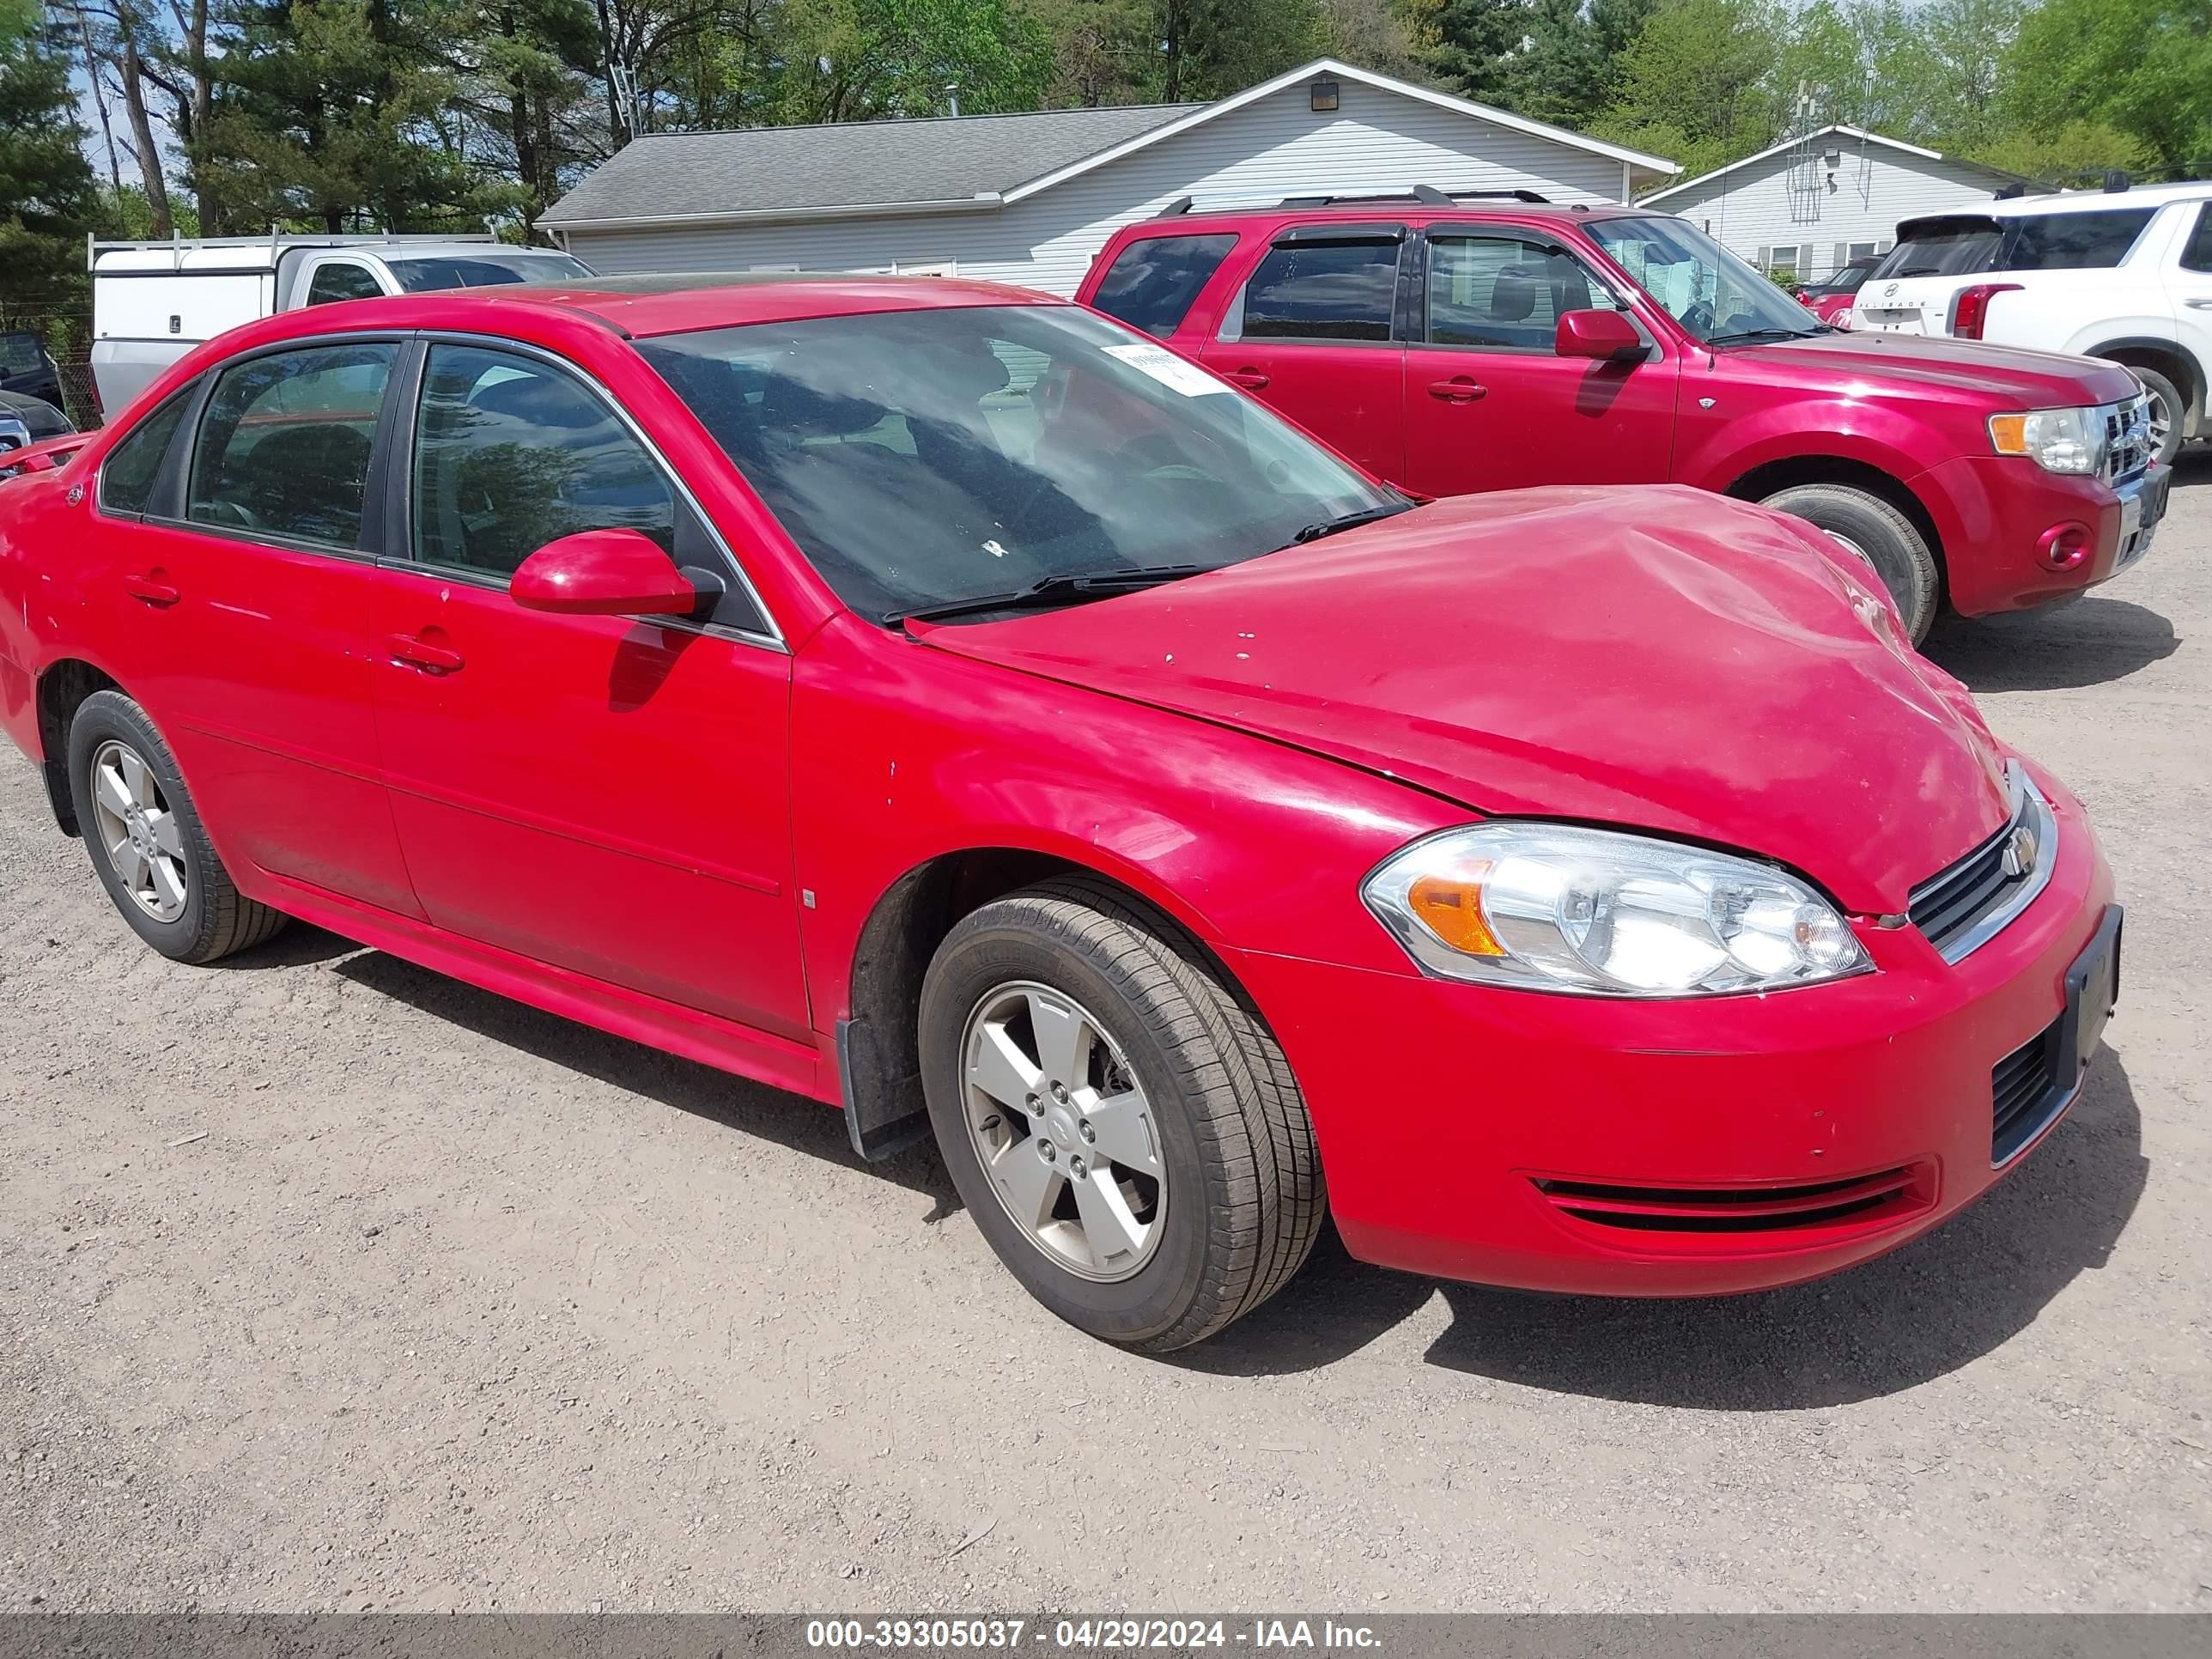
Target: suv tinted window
[(511, 453), (2071, 241), (1942, 248), (1323, 291), (345, 281), (2197, 255), (284, 448), (1151, 282), (1503, 293), (127, 476)]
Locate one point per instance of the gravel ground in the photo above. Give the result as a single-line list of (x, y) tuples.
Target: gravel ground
[(328, 1284)]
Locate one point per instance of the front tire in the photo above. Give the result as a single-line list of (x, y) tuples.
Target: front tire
[(2168, 413), (1877, 532), (1125, 1134), (149, 847)]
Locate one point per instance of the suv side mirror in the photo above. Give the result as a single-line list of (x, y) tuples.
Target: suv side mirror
[(1607, 336), (603, 573)]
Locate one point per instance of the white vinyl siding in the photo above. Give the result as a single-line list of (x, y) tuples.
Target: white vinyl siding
[(1375, 140), (1750, 210)]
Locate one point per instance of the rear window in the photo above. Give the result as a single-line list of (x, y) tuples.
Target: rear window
[(1941, 247), (1323, 291), (1151, 282), (2071, 241)]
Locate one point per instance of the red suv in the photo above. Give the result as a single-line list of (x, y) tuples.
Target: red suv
[(1451, 348)]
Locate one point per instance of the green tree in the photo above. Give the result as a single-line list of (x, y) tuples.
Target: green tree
[(1471, 43), (2139, 68), (853, 60), (47, 197), (1697, 84)]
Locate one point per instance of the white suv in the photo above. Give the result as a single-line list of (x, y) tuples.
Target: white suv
[(2121, 274)]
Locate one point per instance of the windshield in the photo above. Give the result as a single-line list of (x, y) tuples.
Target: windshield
[(487, 270), (1940, 247), (1708, 290), (922, 459)]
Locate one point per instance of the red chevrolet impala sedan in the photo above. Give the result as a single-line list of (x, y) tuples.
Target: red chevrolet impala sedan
[(939, 701)]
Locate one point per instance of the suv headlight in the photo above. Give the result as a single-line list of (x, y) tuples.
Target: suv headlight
[(1600, 913), (2056, 440)]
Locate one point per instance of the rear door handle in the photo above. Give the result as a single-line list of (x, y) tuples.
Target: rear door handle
[(1458, 390), (153, 587), (416, 653), (1250, 378)]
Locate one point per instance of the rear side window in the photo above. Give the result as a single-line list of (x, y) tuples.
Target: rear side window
[(128, 476), (2071, 241), (1151, 282), (283, 448), (1323, 291), (2197, 255), (341, 281)]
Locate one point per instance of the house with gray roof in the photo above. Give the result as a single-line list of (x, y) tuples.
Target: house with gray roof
[(1029, 198)]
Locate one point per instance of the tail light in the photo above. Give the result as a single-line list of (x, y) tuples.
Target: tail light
[(1971, 309)]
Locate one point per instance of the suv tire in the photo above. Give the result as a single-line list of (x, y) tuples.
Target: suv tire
[(1869, 527), (2166, 404), (1237, 1200)]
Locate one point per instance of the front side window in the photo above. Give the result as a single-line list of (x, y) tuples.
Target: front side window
[(1320, 291), (2197, 255), (1503, 294), (132, 467), (1152, 282), (511, 453), (284, 448), (1711, 293), (2071, 241), (932, 457), (341, 280)]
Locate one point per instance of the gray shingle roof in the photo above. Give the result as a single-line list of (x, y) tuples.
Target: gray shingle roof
[(852, 164)]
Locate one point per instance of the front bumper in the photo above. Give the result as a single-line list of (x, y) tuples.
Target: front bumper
[(1998, 513), (1464, 1128)]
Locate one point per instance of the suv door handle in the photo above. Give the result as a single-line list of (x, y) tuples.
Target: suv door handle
[(1250, 378), (151, 587), (1458, 390), (416, 653), (2199, 305)]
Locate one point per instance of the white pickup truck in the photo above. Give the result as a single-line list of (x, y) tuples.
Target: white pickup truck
[(2124, 275), (154, 301)]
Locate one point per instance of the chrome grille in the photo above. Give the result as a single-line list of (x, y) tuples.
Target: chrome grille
[(2127, 438), (1962, 908)]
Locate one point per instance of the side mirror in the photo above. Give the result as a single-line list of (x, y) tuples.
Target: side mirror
[(1607, 336), (603, 573)]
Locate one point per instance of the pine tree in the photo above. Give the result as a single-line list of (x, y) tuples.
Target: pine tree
[(48, 198)]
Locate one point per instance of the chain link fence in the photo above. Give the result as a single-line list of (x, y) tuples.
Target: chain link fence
[(49, 356)]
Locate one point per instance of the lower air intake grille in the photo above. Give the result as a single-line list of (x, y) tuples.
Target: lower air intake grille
[(1736, 1209), (2024, 1094)]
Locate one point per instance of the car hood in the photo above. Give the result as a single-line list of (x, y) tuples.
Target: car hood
[(1656, 658), (2007, 376)]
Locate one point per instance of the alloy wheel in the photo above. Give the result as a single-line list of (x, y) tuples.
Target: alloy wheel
[(138, 831), (1066, 1135)]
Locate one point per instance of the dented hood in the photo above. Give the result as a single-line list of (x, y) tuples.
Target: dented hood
[(1660, 659)]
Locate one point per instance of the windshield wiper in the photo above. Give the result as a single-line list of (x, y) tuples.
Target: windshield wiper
[(1745, 336), (1314, 533), (1051, 591)]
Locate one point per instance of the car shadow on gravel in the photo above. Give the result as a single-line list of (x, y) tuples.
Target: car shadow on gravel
[(2090, 641), (1939, 1304), (752, 1108)]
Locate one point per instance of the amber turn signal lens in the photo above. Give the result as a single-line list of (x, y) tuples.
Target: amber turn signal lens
[(2009, 434), (1450, 907)]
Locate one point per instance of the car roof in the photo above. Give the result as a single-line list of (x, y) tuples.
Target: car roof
[(2081, 201), (1389, 209)]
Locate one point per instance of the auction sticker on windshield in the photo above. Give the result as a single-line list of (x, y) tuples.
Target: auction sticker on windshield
[(1167, 369)]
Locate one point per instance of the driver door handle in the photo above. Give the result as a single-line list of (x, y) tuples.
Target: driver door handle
[(1457, 390), (405, 648), (1250, 378)]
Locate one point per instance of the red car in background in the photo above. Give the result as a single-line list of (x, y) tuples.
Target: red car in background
[(943, 702), (1452, 348), (1831, 299)]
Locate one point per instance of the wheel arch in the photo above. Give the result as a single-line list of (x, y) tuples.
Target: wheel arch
[(2170, 358), (64, 685), (1788, 471)]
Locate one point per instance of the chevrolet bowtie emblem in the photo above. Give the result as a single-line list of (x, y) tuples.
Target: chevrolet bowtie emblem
[(2019, 853)]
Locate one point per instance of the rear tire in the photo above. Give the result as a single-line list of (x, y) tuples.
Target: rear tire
[(2169, 409), (148, 845), (1221, 1192), (1869, 527)]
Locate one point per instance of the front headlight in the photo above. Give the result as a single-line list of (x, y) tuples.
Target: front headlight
[(1598, 913), (2056, 440)]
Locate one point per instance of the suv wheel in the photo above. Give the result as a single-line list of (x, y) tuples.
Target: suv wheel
[(2167, 411), (1871, 529), (149, 847), (1125, 1135)]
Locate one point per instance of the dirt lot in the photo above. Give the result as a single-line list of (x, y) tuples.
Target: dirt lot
[(455, 1305)]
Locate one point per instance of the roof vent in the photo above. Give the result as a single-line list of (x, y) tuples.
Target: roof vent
[(1321, 95)]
